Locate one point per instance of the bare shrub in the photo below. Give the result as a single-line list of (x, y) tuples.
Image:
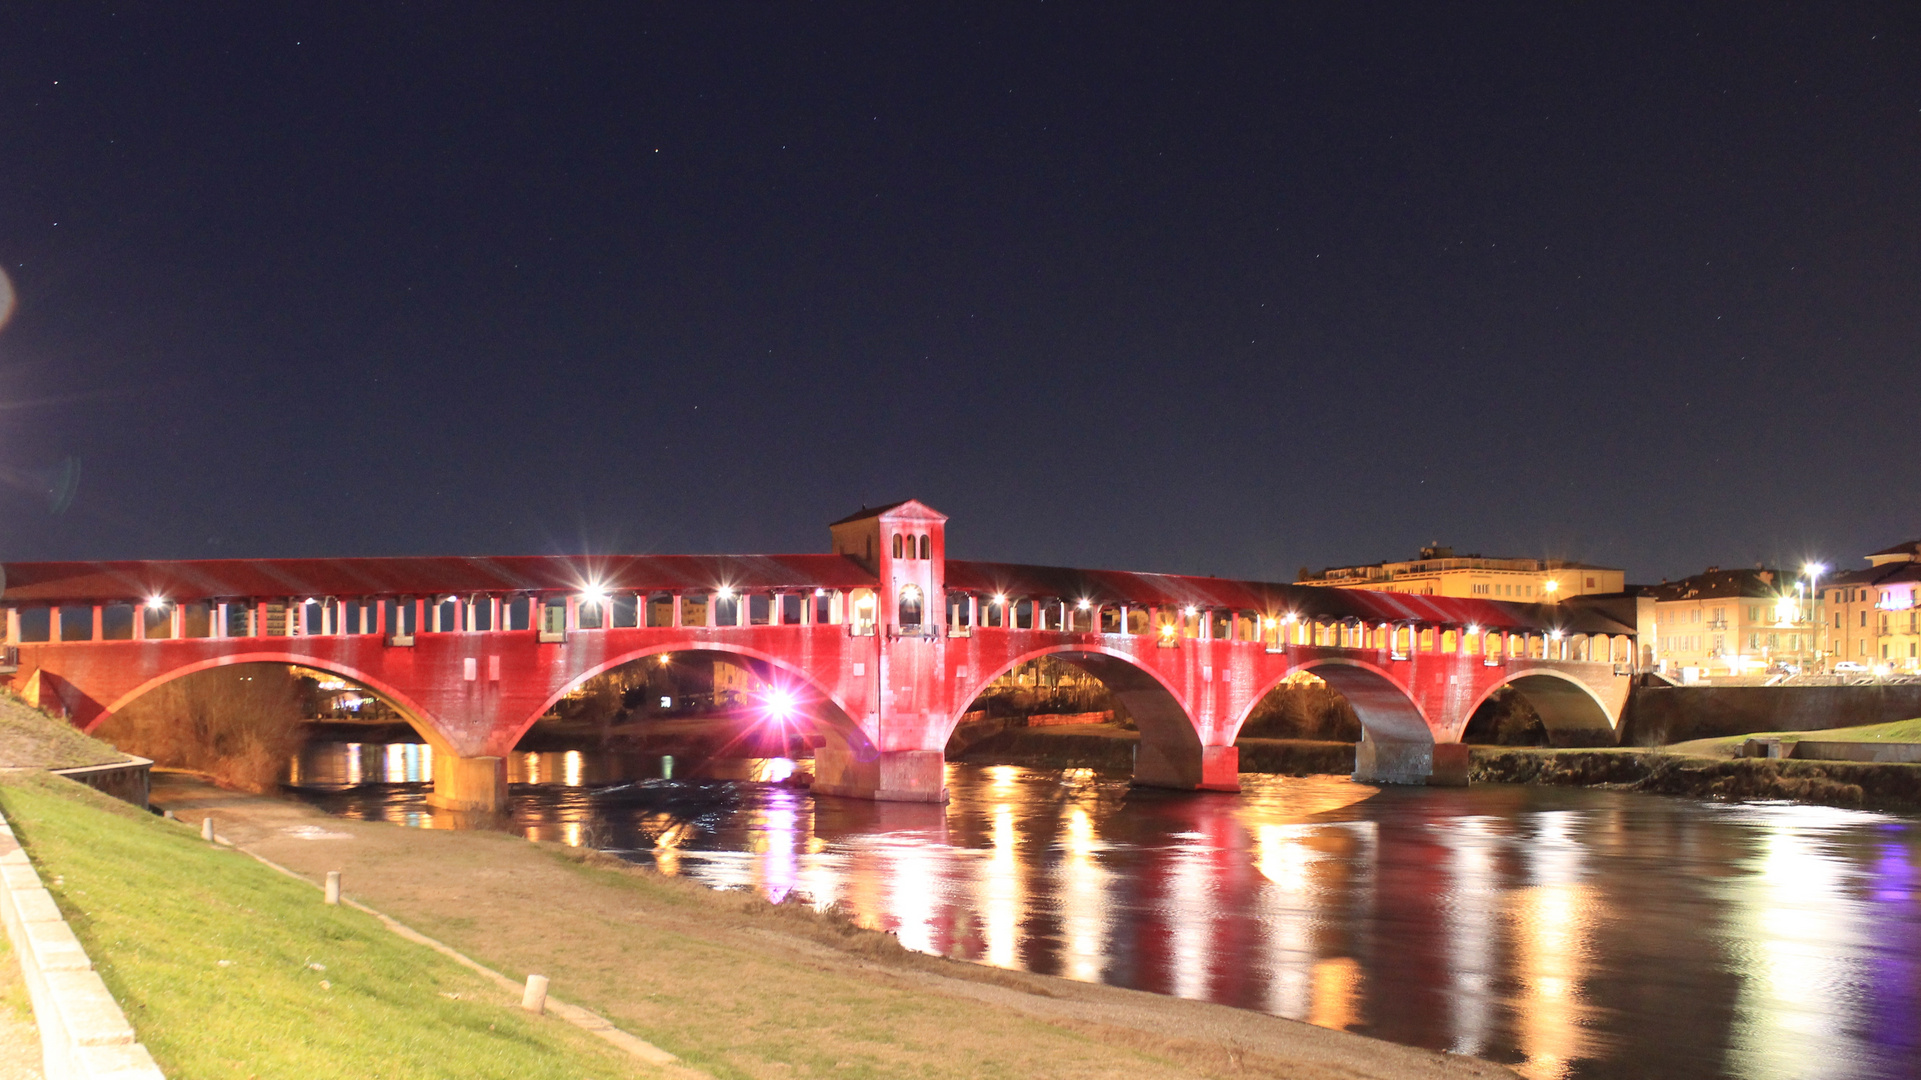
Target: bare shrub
[(239, 725)]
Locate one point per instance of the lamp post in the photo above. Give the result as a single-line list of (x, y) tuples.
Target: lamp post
[(1813, 571)]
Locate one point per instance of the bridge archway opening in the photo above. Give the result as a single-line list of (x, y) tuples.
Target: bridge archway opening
[(1168, 753), (258, 724), (1540, 708), (1384, 708), (1301, 706), (694, 711)]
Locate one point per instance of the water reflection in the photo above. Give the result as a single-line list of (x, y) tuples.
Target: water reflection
[(1566, 933)]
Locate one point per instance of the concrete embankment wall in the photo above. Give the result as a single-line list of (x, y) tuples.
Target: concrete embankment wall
[(1656, 716), (128, 781), (1105, 747), (1830, 783)]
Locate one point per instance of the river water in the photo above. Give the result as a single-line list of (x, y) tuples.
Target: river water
[(1566, 932)]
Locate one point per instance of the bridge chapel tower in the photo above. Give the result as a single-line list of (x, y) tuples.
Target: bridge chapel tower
[(904, 545)]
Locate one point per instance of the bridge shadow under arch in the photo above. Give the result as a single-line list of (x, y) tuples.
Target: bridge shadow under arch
[(405, 707), (815, 708), (1169, 753), (1571, 713), (1385, 708)]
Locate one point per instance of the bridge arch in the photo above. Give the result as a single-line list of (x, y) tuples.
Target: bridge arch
[(1568, 708), (1384, 705), (1169, 752), (410, 710), (823, 709)]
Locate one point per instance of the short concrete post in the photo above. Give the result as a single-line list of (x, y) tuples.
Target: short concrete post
[(535, 999), (206, 829), (333, 886)]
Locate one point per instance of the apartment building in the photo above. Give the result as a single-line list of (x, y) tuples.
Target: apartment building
[(1873, 614), (1733, 622)]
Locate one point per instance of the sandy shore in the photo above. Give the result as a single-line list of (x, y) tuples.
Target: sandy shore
[(744, 988)]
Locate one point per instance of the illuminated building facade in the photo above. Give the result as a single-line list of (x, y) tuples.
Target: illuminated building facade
[(1872, 614), (1733, 622), (1440, 572)]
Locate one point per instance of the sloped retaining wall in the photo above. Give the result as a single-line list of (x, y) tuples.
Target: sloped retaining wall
[(129, 781), (83, 1033)]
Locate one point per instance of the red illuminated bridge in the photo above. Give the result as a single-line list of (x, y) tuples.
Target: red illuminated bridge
[(885, 643)]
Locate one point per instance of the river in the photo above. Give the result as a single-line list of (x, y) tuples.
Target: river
[(1565, 932)]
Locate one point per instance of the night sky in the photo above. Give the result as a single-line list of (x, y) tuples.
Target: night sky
[(1204, 289)]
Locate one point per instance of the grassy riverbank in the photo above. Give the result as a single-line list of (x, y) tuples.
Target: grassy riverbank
[(229, 969)]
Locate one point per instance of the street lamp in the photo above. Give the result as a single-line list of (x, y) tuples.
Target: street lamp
[(1814, 570)]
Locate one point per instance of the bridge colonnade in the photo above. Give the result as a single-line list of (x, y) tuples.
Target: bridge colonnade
[(881, 647)]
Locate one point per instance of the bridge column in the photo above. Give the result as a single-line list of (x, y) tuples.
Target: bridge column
[(1397, 761), (476, 784), (887, 776)]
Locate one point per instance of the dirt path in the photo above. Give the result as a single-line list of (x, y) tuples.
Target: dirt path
[(742, 988)]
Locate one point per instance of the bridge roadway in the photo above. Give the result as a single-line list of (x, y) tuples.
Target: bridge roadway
[(880, 645)]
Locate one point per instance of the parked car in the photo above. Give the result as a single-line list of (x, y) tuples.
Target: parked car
[(1847, 667)]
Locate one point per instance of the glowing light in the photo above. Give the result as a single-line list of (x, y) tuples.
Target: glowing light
[(820, 592), (1190, 611), (865, 601), (1167, 629), (156, 602), (1083, 605), (593, 593), (726, 592), (1551, 586), (1270, 622), (666, 658), (1000, 598), (778, 704)]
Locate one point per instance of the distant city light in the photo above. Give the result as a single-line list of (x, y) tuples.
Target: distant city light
[(1551, 585)]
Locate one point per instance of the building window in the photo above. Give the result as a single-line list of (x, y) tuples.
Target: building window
[(1864, 620), (924, 550), (910, 606), (897, 546)]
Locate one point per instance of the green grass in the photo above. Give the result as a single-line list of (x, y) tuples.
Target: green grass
[(229, 969), (1898, 731)]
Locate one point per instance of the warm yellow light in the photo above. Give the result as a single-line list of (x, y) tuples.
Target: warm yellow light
[(865, 601), (1167, 629), (1270, 622), (1551, 585), (666, 658)]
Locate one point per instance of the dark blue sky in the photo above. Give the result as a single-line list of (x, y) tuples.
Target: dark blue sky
[(1211, 289)]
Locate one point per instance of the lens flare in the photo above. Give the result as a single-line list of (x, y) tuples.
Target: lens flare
[(778, 704)]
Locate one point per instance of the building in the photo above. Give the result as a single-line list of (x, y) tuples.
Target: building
[(1733, 622), (1872, 616), (1440, 572)]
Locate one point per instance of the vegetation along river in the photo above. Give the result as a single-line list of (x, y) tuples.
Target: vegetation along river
[(1567, 932)]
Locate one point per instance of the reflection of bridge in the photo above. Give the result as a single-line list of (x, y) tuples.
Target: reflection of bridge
[(885, 643)]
